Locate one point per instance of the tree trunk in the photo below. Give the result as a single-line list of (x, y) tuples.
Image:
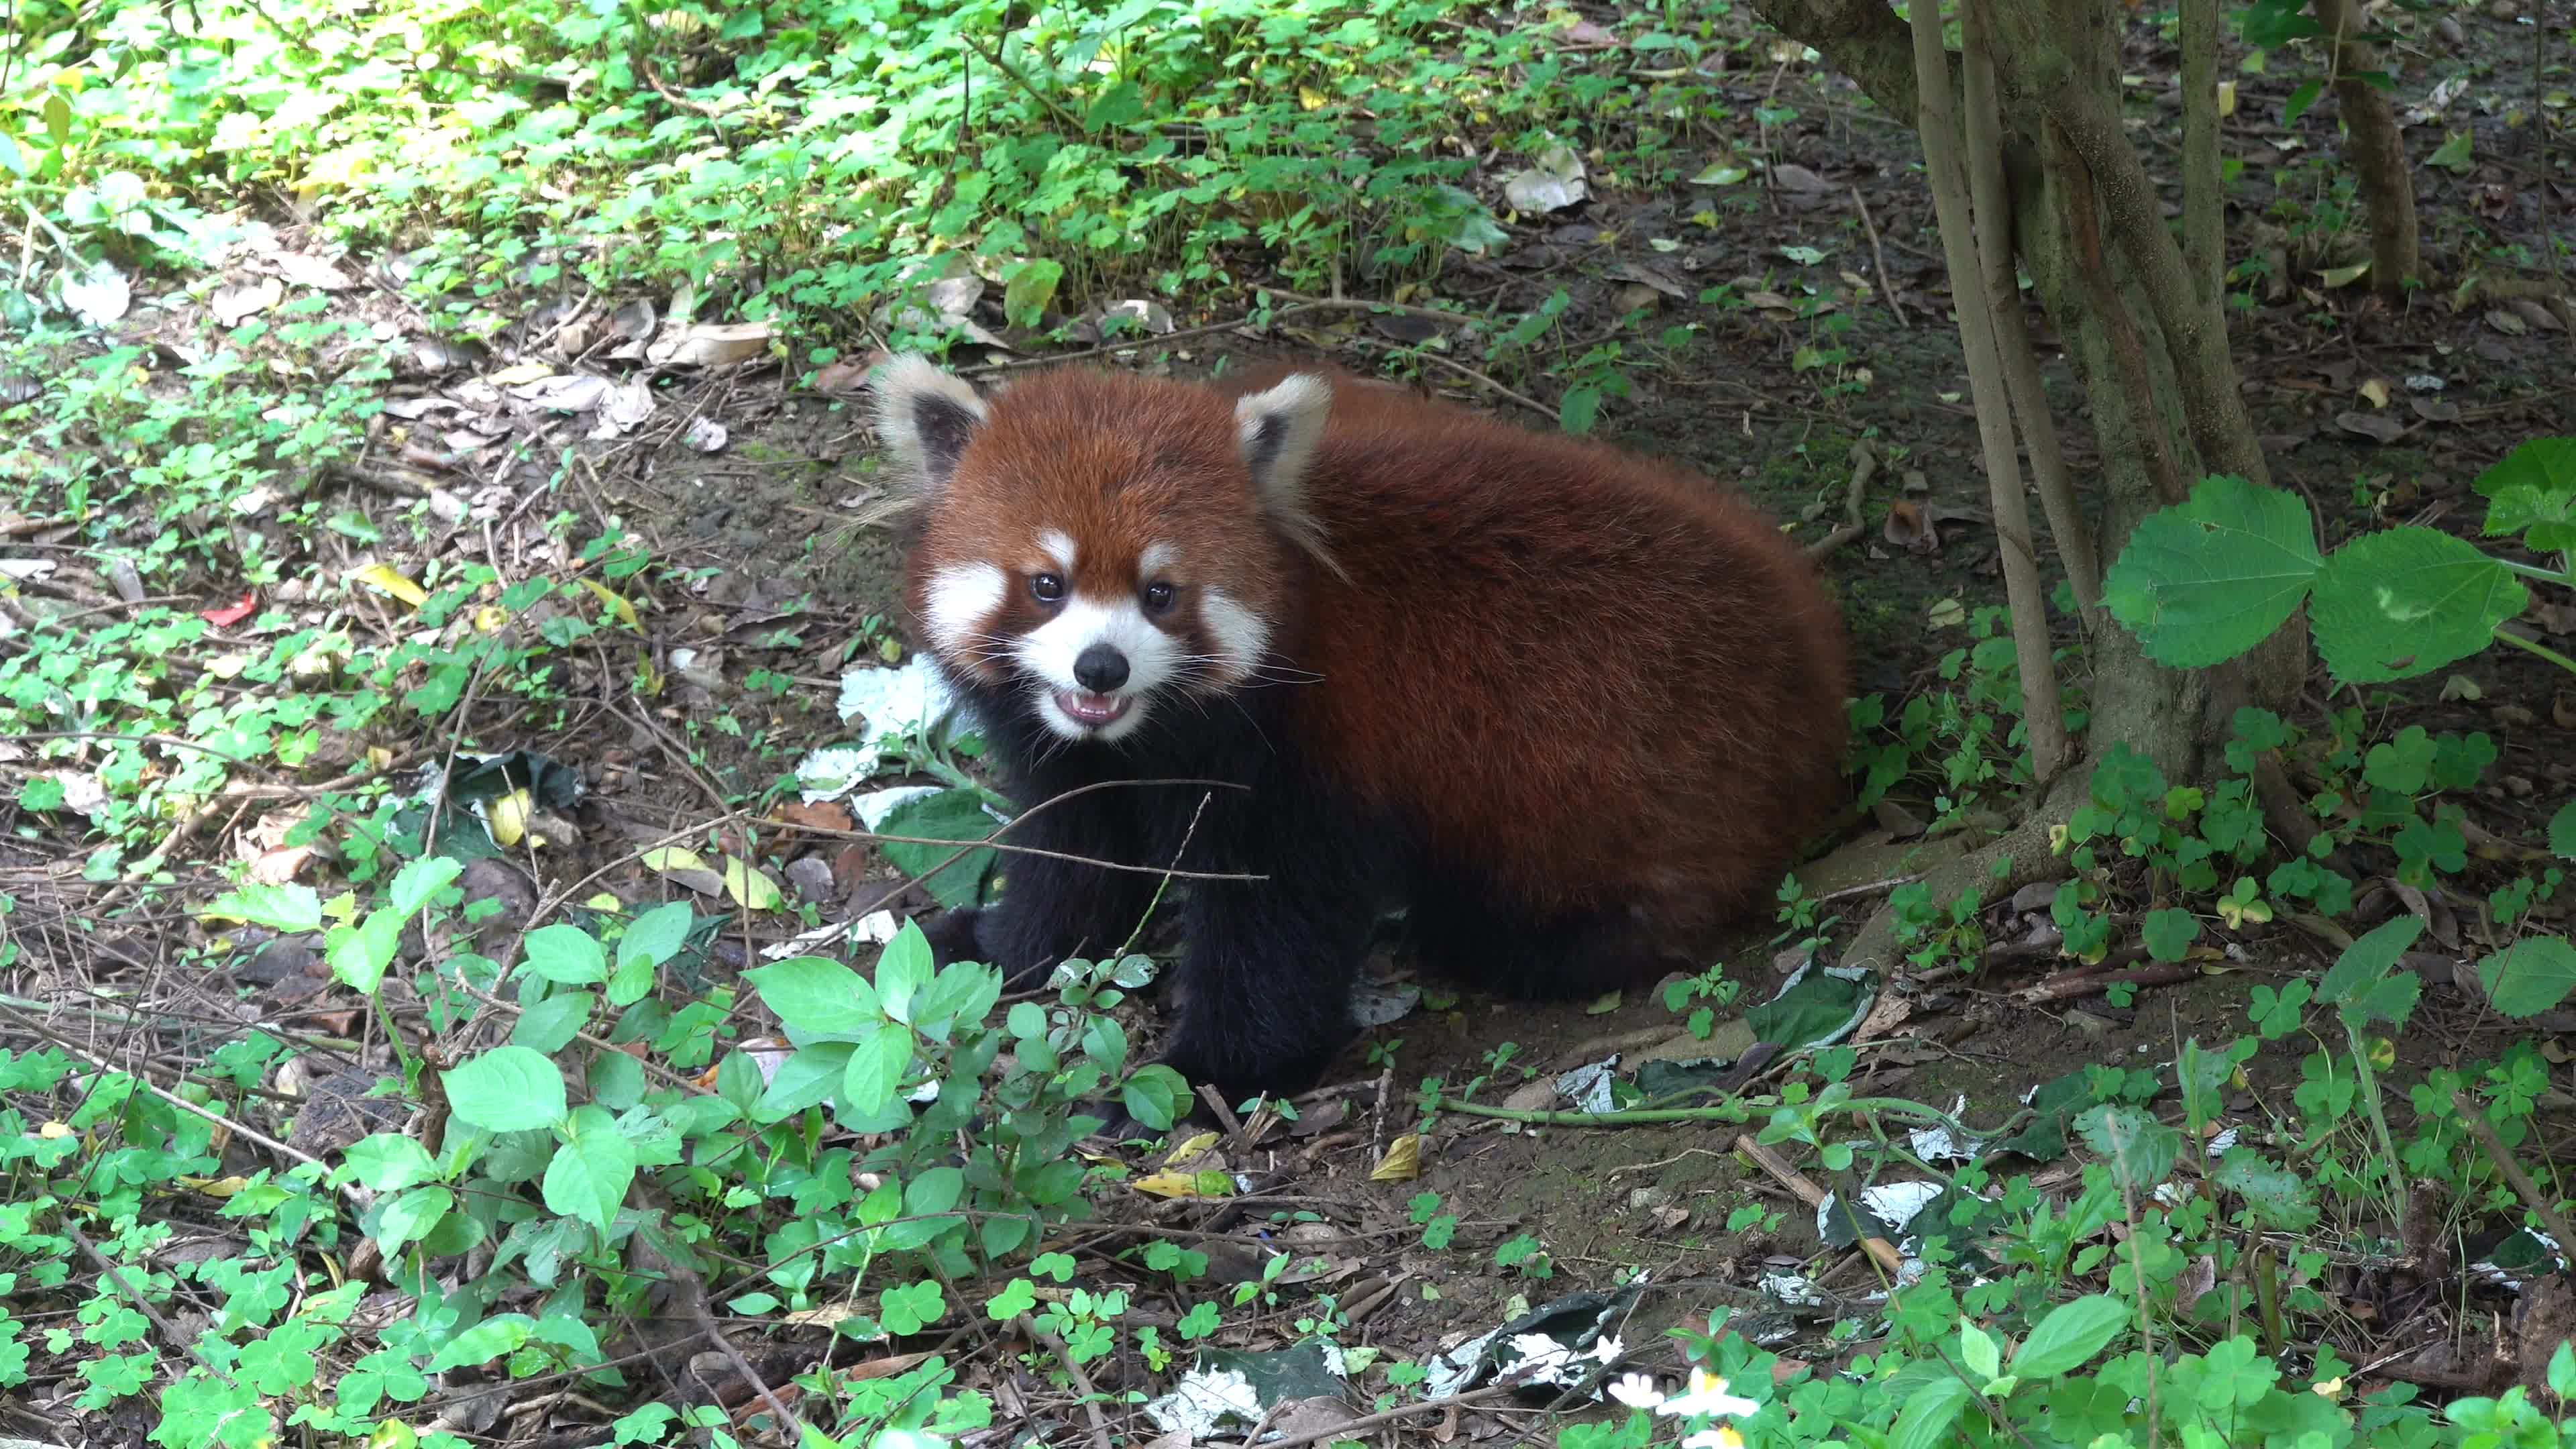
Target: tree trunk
[(2375, 150), (2148, 347)]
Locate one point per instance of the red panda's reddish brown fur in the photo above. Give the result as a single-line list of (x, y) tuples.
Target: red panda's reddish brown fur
[(1694, 723), (1572, 705)]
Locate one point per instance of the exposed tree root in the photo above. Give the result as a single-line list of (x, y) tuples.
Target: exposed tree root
[(2021, 854)]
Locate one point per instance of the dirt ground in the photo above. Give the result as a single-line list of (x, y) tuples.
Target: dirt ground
[(768, 518)]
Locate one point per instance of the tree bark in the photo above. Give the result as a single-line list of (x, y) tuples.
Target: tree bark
[(2147, 344), (2375, 149)]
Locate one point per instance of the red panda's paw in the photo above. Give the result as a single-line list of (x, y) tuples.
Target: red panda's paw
[(952, 936)]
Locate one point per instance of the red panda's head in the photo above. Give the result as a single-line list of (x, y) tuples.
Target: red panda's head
[(1102, 539)]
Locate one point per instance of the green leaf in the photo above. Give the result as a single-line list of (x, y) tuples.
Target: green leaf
[(1929, 1414), (2406, 601), (2533, 492), (407, 1217), (591, 1170), (2562, 831), (507, 1089), (1030, 289), (819, 998), (494, 1337), (551, 1024), (415, 884), (1978, 1351), (1017, 1297), (2170, 933), (2530, 976), (292, 909), (388, 1162), (953, 815), (808, 1076), (2205, 581), (360, 954), (2300, 99), (1120, 105), (1579, 409), (2070, 1335), (567, 954), (655, 936), (903, 968), (876, 1069)]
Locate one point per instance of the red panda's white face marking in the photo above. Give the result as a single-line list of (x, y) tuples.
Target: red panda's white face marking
[(1101, 540)]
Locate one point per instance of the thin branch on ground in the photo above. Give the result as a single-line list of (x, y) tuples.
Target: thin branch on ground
[(1878, 261), (1864, 461)]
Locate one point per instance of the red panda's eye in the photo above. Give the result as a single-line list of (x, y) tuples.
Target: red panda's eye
[(1046, 588), (1158, 596)]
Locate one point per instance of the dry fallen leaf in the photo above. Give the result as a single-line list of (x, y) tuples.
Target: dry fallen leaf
[(1402, 1162), (2376, 426), (238, 302)]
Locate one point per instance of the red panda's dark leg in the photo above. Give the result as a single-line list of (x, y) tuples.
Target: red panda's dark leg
[(1265, 987), (1052, 908)]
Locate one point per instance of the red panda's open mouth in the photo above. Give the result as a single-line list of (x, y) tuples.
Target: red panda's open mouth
[(1089, 709)]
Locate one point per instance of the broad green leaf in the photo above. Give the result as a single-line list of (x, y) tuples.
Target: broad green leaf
[(1929, 1415), (876, 1069), (2368, 959), (818, 998), (1031, 288), (2205, 581), (1978, 1351), (2406, 601), (2281, 1200), (808, 1076), (903, 968), (952, 815), (387, 1162), (550, 1025), (655, 936), (407, 1217), (422, 879), (567, 954), (507, 1089), (2562, 831), (287, 908), (591, 1170), (2070, 1335), (935, 1191), (2530, 976), (2534, 489), (360, 954), (495, 1337)]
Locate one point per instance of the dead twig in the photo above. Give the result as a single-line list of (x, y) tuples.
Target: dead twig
[(1081, 1380), (1878, 261), (2529, 1191), (1864, 460)]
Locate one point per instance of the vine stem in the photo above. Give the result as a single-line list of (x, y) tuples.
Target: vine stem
[(2543, 650)]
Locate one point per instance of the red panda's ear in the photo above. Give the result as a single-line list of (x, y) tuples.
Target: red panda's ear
[(926, 417), (1279, 430)]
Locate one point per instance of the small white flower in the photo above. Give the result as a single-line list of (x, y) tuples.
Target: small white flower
[(1721, 1437), (1707, 1395), (1607, 1348), (1637, 1391)]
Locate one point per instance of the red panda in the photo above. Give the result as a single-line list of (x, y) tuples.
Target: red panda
[(1568, 706)]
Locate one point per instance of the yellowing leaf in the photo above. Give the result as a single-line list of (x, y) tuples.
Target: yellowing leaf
[(604, 902), (54, 1131), (2226, 99), (508, 817), (622, 611), (218, 1187), (379, 756), (490, 618), (2343, 276), (670, 858), (1946, 614), (1603, 1005), (522, 373), (751, 889), (342, 907), (391, 580), (2376, 390), (1186, 1184), (1190, 1148), (1402, 1163), (1312, 99)]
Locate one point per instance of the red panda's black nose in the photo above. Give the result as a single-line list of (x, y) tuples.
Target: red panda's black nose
[(1100, 668)]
